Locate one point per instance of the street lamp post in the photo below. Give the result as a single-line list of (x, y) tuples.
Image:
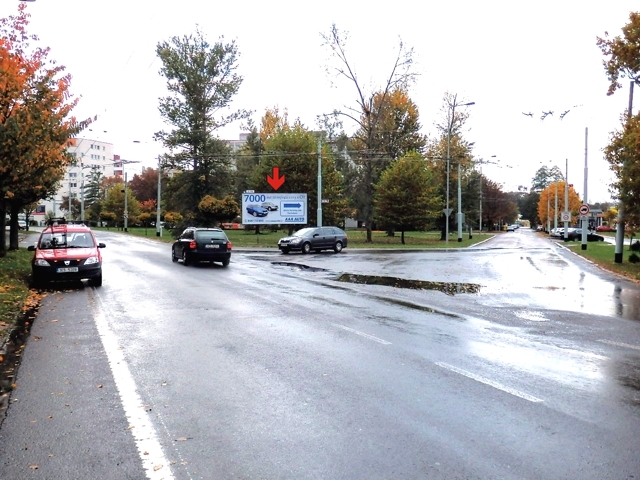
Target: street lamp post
[(158, 226), (447, 211), (126, 211)]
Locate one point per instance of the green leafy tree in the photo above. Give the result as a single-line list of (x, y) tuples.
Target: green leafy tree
[(406, 198), (109, 217), (114, 202), (544, 177), (294, 150), (202, 80), (248, 159)]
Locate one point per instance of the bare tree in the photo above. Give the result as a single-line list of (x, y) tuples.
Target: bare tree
[(369, 158)]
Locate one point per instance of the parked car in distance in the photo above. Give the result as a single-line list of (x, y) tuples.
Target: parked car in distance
[(202, 245), (512, 228), (314, 238), (66, 252), (272, 207), (22, 225), (257, 211), (556, 232), (605, 228), (576, 234)]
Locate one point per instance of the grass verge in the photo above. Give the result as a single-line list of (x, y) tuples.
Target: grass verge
[(602, 254), (15, 296)]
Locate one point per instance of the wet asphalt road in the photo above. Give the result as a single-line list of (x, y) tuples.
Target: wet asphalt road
[(273, 368)]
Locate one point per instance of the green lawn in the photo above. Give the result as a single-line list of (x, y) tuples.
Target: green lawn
[(357, 238), (602, 254)]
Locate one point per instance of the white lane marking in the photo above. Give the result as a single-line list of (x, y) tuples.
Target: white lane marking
[(362, 334), (154, 462), (491, 383), (620, 344)]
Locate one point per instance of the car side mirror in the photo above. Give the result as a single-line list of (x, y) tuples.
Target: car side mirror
[(101, 245), (31, 248)]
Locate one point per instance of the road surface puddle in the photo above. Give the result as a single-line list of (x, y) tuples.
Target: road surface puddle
[(299, 266), (450, 288)]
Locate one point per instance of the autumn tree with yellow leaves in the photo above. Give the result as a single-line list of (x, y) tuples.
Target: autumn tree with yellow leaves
[(547, 203), (35, 122)]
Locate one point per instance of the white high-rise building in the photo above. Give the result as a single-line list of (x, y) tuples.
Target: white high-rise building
[(88, 153)]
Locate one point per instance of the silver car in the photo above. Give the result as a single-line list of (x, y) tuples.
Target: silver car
[(314, 238)]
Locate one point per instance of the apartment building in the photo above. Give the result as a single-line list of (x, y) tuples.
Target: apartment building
[(88, 153)]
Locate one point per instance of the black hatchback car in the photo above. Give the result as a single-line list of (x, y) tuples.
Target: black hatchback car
[(314, 238), (202, 245)]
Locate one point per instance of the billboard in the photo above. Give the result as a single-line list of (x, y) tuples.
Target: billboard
[(274, 208)]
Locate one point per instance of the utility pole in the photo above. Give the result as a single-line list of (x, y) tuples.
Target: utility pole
[(480, 225), (585, 220), (620, 228), (126, 211), (459, 216), (158, 226), (82, 196), (555, 209), (549, 212), (70, 215), (566, 200), (319, 211)]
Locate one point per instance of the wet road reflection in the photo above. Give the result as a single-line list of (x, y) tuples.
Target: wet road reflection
[(538, 278)]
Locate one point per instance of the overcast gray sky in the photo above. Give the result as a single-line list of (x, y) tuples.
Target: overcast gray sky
[(508, 57)]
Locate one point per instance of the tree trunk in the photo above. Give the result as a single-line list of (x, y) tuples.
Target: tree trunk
[(3, 232), (369, 238), (402, 236), (13, 233)]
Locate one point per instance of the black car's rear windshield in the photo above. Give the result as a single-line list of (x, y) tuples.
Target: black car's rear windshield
[(208, 236)]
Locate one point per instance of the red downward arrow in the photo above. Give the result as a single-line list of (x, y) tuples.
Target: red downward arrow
[(276, 181)]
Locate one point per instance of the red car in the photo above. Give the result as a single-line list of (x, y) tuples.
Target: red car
[(605, 228), (66, 252)]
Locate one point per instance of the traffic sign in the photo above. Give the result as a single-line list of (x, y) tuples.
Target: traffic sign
[(565, 217), (447, 211), (584, 209)]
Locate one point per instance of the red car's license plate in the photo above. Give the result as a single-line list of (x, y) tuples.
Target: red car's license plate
[(67, 269)]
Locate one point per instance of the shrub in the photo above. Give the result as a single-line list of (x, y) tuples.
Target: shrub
[(635, 246), (633, 258)]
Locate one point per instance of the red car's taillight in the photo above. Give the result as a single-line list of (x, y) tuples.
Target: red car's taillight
[(192, 245)]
